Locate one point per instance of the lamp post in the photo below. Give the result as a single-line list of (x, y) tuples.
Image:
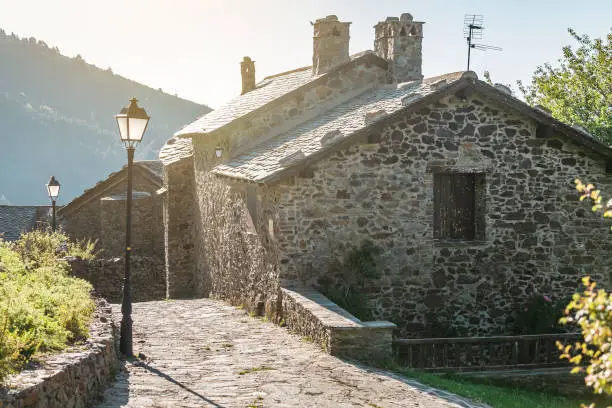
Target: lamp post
[(53, 189), (132, 122)]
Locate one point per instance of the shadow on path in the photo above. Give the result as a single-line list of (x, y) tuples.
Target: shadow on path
[(173, 381)]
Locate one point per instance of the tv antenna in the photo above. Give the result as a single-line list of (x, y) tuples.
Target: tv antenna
[(472, 29)]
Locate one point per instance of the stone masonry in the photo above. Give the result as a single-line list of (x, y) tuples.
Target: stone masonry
[(74, 378), (537, 236), (314, 164), (179, 219), (399, 41), (106, 276), (99, 214)]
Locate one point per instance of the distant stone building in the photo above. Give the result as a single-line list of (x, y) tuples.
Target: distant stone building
[(99, 213), (465, 189), (17, 219)]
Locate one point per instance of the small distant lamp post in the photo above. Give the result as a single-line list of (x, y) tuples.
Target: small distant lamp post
[(53, 189), (132, 122)]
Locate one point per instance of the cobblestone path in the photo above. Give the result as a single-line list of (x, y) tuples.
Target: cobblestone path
[(204, 353)]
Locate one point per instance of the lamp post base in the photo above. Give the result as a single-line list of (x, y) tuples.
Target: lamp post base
[(125, 339)]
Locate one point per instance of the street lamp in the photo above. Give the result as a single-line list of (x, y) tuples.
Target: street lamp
[(53, 189), (132, 122)]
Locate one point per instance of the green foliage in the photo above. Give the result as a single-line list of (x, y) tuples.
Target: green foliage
[(356, 273), (495, 395), (42, 309), (579, 90), (40, 248), (540, 315), (589, 192), (591, 310)]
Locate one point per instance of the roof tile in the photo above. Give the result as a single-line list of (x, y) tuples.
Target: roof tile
[(15, 219), (267, 159), (266, 91)]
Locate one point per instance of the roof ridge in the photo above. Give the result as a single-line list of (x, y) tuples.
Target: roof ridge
[(287, 72)]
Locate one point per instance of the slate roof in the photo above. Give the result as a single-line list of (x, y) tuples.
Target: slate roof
[(155, 166), (15, 219), (175, 149), (154, 169), (313, 136), (266, 91)]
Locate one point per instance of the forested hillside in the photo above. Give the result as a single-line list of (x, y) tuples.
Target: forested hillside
[(57, 118)]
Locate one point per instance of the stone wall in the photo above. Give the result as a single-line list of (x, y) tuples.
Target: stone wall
[(308, 313), (537, 236), (233, 262), (71, 379), (106, 275), (103, 219), (179, 219), (147, 226)]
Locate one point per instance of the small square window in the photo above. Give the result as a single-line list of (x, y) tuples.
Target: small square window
[(459, 206)]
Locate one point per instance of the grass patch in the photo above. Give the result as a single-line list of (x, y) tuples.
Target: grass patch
[(494, 395), (42, 308), (254, 370)]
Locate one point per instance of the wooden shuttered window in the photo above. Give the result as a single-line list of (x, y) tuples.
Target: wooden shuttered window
[(455, 206)]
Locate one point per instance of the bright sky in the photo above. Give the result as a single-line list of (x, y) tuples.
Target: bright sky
[(193, 47)]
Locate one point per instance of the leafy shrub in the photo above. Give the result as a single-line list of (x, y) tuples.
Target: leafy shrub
[(42, 308), (591, 310), (540, 315), (43, 248), (356, 272)]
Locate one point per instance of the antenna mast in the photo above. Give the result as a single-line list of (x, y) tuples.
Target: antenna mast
[(472, 29)]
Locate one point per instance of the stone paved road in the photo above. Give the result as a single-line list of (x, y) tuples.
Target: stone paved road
[(204, 353)]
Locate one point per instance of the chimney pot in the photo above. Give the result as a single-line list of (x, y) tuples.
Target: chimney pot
[(399, 41), (247, 68), (330, 44)]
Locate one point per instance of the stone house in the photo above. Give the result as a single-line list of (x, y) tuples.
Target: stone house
[(99, 213), (466, 191)]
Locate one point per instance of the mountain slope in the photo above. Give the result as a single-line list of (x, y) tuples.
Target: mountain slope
[(57, 118)]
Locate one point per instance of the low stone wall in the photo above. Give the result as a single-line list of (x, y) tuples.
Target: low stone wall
[(309, 313), (72, 379), (106, 276)]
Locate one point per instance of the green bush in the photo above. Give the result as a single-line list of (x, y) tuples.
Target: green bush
[(355, 275), (540, 315), (43, 248), (42, 308)]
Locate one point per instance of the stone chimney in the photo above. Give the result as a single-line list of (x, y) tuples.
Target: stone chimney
[(399, 41), (330, 44), (247, 68)]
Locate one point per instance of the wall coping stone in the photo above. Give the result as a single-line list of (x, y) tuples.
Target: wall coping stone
[(338, 332), (73, 378)]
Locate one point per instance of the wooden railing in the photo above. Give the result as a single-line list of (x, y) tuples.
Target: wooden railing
[(482, 353)]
